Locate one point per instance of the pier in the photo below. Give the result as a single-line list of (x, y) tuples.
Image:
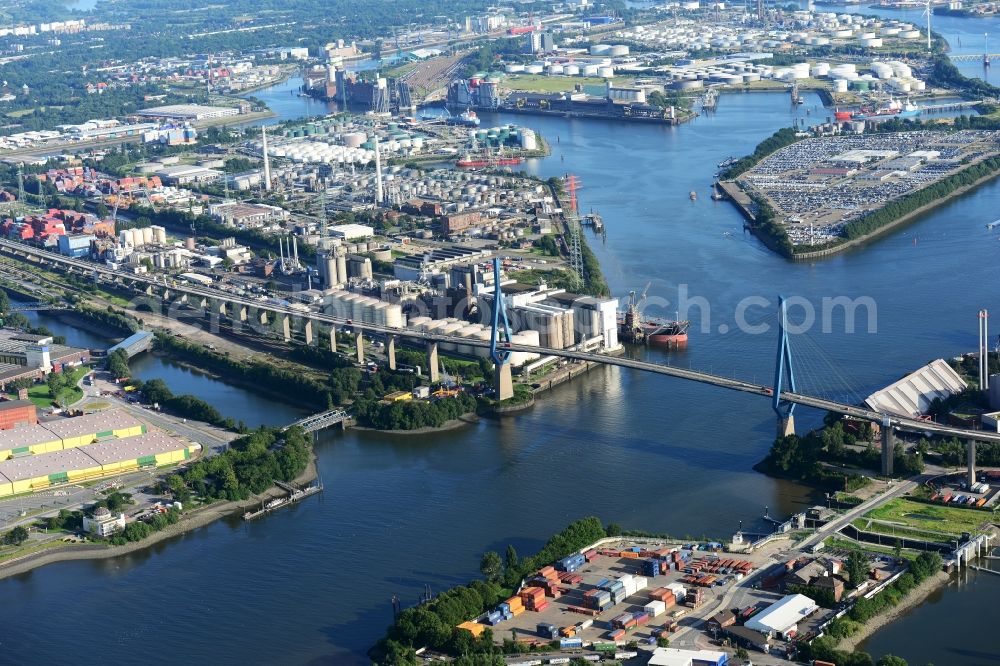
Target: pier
[(294, 495)]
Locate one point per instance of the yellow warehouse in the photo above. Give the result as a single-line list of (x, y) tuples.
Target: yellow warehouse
[(29, 472), (97, 427), (28, 439)]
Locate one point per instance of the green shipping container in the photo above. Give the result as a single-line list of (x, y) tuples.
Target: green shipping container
[(60, 477), (145, 461)]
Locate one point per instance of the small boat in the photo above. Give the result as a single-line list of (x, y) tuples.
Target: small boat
[(693, 195)]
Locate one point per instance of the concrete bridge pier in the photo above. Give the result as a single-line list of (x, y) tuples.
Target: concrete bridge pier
[(307, 331), (360, 342), (888, 449), (286, 327), (786, 425), (433, 369), (390, 351), (333, 339), (502, 381), (166, 295), (970, 459), (219, 308)]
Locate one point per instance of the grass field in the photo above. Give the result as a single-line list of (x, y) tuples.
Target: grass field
[(39, 393), (927, 517)]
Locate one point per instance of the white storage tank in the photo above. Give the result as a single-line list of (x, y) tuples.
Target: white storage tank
[(514, 68), (528, 139), (606, 72), (571, 70), (555, 69), (159, 234), (840, 85)]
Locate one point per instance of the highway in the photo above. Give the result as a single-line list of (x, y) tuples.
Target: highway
[(22, 250)]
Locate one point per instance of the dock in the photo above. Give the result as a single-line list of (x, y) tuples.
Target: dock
[(732, 191), (294, 495)]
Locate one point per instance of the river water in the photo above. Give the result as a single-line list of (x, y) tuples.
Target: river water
[(312, 584)]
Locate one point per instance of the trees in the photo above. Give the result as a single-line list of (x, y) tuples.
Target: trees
[(742, 654), (117, 364), (891, 660), (490, 565), (16, 536), (511, 560), (857, 568)]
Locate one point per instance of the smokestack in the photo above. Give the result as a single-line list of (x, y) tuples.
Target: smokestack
[(982, 346), (267, 160), (986, 350), (378, 174), (281, 251), (295, 249)]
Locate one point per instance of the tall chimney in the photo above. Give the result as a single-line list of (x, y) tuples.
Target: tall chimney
[(267, 160), (378, 174)]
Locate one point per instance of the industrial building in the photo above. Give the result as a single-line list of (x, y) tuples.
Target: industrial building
[(913, 394), (15, 413), (24, 355), (69, 433), (104, 523), (352, 231), (247, 215), (562, 319), (188, 112), (29, 473), (184, 174), (77, 245), (434, 262), (674, 657), (782, 617)]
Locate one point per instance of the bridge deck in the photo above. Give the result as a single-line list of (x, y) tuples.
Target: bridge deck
[(317, 422)]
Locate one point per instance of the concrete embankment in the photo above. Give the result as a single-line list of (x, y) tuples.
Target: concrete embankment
[(910, 601)]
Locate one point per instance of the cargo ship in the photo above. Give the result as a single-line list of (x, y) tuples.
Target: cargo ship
[(891, 110), (468, 118), (634, 328)]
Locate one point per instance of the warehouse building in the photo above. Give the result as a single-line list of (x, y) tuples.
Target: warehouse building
[(675, 657), (30, 473), (913, 394), (69, 433), (782, 617), (15, 413), (184, 174), (188, 112), (23, 355)]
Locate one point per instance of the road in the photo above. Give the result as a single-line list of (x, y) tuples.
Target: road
[(899, 488), (275, 311)]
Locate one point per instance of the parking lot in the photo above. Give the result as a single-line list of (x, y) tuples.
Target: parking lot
[(818, 185)]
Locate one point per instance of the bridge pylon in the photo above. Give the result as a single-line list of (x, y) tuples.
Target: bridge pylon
[(503, 384), (782, 366)]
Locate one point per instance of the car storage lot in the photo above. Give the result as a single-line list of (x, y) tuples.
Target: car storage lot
[(523, 627)]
